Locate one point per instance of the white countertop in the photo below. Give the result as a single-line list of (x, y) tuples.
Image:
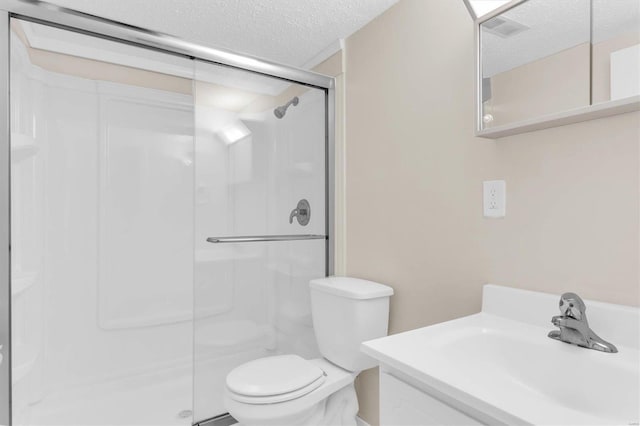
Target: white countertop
[(508, 369)]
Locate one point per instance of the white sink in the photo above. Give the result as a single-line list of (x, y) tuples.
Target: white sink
[(500, 362)]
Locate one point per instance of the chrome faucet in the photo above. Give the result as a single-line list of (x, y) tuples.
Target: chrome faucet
[(574, 327)]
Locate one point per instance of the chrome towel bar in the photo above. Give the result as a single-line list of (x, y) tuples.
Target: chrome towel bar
[(265, 238)]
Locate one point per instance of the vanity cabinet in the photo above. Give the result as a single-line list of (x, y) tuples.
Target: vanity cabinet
[(402, 404)]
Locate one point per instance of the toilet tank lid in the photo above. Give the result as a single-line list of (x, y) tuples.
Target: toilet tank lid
[(352, 288)]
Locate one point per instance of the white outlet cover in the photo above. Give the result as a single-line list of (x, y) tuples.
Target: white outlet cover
[(494, 198)]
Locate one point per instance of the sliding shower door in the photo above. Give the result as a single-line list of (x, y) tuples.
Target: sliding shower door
[(167, 215), (102, 195), (260, 150)]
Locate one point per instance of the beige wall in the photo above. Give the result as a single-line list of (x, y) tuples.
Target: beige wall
[(541, 87), (572, 211), (414, 169), (414, 177)]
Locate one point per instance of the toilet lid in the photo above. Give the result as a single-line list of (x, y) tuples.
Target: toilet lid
[(275, 376)]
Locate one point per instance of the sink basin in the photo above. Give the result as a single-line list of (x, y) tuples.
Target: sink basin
[(508, 369), (522, 359)]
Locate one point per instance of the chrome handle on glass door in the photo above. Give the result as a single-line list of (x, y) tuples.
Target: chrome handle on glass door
[(302, 213), (265, 238)]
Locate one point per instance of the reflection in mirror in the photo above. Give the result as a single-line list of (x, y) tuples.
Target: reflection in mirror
[(535, 61), (616, 50)]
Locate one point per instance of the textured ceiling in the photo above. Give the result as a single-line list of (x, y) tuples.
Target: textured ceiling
[(554, 26), (287, 31)]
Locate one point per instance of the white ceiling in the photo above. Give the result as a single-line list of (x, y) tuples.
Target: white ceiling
[(556, 25), (293, 32)]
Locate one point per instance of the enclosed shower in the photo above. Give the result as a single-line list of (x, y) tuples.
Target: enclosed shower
[(164, 208)]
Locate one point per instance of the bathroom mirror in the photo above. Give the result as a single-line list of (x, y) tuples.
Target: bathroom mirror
[(616, 50), (546, 63), (534, 61)]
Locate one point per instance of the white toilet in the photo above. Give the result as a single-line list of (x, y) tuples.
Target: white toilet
[(289, 390)]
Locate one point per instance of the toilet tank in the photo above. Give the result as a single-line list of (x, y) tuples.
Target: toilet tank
[(346, 312)]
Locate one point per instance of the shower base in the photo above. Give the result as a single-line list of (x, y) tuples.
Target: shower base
[(152, 399)]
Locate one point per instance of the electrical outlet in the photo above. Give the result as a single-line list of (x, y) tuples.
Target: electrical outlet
[(494, 198)]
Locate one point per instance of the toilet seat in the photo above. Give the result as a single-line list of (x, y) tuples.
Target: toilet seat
[(295, 411), (274, 379), (274, 399)]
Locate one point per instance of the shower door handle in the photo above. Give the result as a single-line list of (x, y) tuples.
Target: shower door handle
[(265, 238)]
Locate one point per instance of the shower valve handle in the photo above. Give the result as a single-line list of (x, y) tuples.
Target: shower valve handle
[(302, 213)]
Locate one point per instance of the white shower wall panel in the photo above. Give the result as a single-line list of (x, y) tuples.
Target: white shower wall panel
[(146, 209), (72, 370), (78, 139), (70, 224)]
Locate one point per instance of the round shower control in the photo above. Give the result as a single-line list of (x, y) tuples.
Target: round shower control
[(302, 213)]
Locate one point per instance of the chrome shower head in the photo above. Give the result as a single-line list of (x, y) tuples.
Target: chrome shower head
[(282, 110)]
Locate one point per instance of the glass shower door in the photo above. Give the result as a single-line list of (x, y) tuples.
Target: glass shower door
[(102, 231), (260, 150)]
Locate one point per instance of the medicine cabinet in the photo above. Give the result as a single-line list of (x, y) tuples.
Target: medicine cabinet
[(546, 63)]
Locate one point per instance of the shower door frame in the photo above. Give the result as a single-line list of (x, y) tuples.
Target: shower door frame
[(71, 20)]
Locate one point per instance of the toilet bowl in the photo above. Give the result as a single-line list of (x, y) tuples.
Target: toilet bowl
[(289, 390), (302, 406)]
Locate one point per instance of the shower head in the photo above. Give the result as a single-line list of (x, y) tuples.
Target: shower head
[(282, 110)]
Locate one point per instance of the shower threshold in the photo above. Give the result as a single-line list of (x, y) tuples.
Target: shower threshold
[(223, 420)]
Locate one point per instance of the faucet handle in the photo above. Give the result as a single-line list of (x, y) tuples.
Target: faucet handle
[(571, 305), (574, 327)]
